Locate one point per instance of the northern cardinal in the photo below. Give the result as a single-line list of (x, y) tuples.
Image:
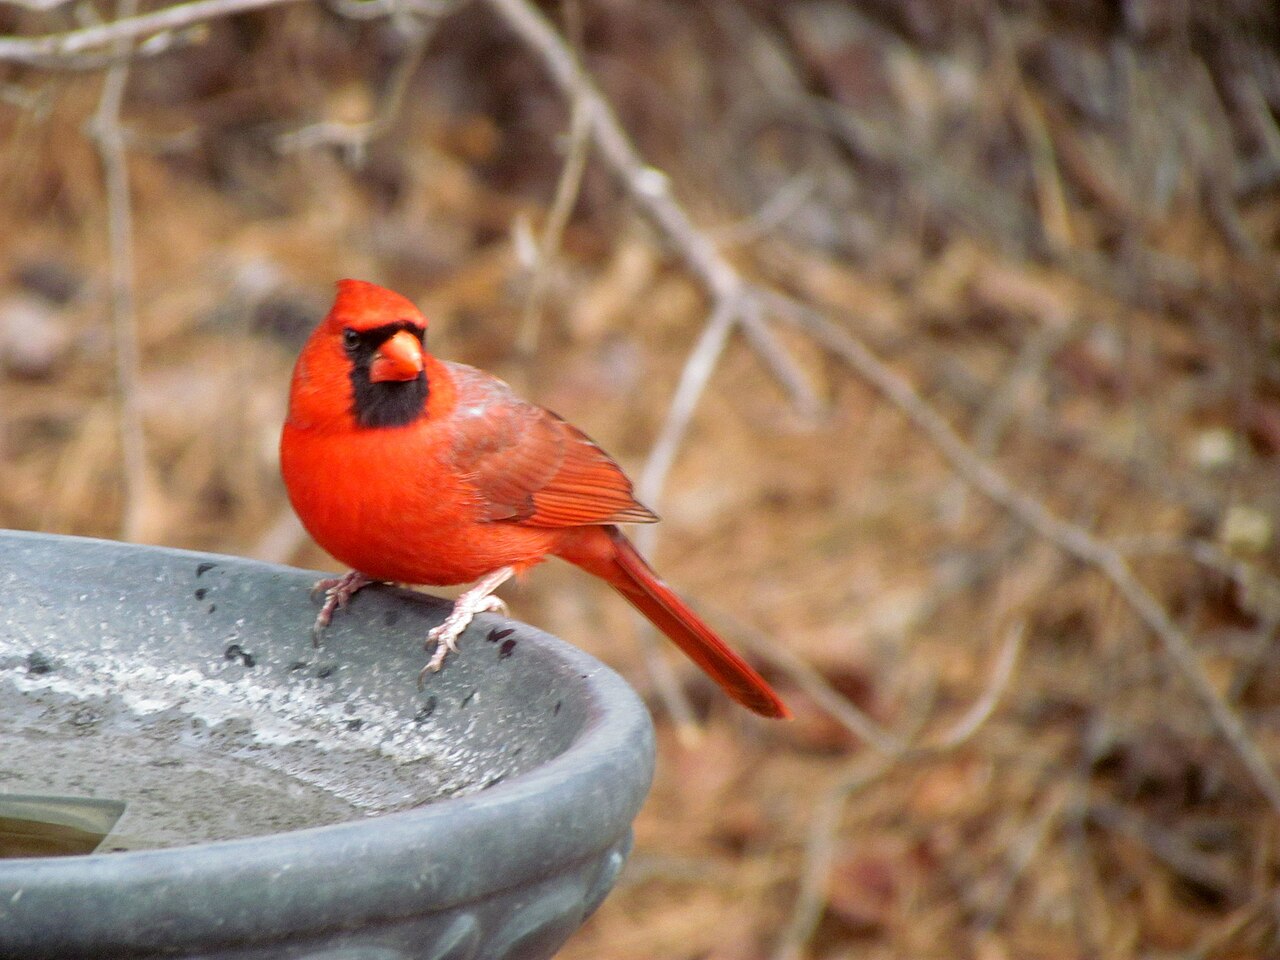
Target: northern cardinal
[(416, 470)]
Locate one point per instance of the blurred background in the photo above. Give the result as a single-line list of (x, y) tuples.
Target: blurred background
[(1055, 222)]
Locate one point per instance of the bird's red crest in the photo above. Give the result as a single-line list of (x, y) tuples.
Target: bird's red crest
[(361, 305)]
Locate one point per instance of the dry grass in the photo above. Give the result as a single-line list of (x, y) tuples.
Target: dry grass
[(1061, 224)]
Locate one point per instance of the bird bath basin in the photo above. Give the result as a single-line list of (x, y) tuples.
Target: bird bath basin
[(288, 801)]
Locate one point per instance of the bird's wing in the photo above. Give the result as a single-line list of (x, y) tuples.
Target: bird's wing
[(531, 467)]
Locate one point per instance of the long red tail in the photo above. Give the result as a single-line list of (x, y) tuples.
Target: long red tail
[(622, 567)]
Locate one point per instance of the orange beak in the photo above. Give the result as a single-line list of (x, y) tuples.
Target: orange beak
[(400, 358)]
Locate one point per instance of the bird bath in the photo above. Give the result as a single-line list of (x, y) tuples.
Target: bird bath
[(284, 800)]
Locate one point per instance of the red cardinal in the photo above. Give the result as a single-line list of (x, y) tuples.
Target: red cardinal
[(416, 470)]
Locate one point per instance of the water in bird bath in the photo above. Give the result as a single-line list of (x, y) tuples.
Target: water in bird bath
[(191, 691), (203, 768)]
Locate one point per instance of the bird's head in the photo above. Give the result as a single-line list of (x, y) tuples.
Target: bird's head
[(377, 337)]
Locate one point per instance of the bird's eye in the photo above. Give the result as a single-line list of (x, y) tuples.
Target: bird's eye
[(350, 339)]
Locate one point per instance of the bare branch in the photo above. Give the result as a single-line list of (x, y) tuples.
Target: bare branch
[(897, 750), (1165, 844), (376, 9), (982, 708), (651, 189), (1031, 838), (567, 189), (41, 6), (1069, 537), (354, 138), (56, 49), (648, 185), (105, 129), (820, 849), (1001, 406), (820, 854), (1215, 942), (786, 200), (815, 686), (697, 370)]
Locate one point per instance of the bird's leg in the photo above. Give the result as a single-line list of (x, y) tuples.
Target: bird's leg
[(478, 599), (337, 594)]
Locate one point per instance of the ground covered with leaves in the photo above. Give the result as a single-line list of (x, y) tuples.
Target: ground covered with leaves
[(1036, 715)]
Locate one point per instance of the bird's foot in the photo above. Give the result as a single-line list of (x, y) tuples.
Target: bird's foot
[(338, 592), (479, 599)]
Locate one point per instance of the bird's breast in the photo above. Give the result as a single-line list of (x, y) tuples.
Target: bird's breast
[(392, 504)]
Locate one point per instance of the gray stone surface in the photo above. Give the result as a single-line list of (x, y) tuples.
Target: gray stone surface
[(302, 800)]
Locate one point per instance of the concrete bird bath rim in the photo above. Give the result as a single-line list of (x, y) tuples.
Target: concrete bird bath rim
[(289, 801)]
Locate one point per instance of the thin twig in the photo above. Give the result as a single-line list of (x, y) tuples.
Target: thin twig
[(698, 367), (153, 46), (982, 708), (1069, 537), (566, 196), (820, 850), (1166, 845), (58, 49), (41, 6), (649, 186), (107, 132), (1228, 929), (815, 686), (996, 414), (697, 371), (355, 138), (651, 189), (1022, 851), (1204, 552), (820, 854), (377, 9), (1051, 198), (775, 211), (1203, 498)]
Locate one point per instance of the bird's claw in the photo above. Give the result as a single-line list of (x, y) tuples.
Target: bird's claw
[(445, 636), (338, 592)]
